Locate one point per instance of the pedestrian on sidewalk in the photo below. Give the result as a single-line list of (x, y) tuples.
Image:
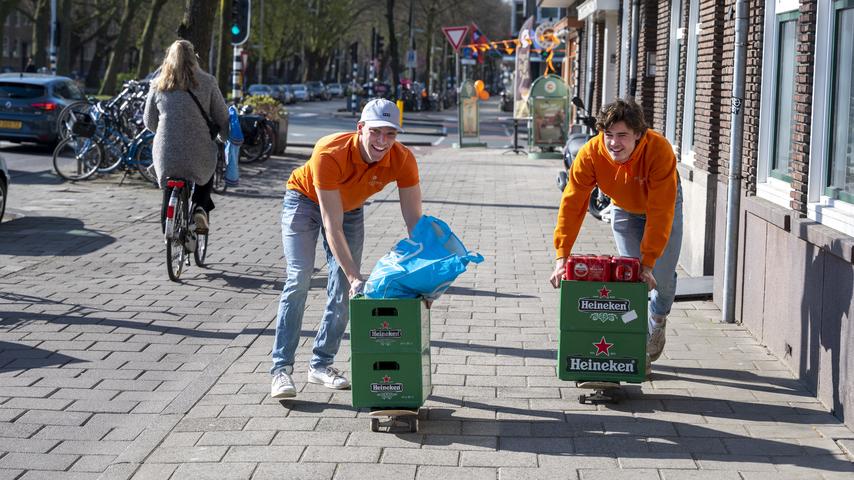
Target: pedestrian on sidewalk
[(636, 167), (325, 196), (183, 105)]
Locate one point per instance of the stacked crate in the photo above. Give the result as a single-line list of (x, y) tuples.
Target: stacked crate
[(390, 352), (603, 331)]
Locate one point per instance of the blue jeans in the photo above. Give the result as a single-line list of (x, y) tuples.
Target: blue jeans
[(301, 224), (628, 232)]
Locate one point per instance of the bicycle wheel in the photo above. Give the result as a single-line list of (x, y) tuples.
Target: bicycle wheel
[(68, 115), (77, 158), (176, 254), (268, 136), (144, 160), (219, 185), (201, 249)]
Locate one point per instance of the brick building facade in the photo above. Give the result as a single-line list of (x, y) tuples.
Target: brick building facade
[(795, 242)]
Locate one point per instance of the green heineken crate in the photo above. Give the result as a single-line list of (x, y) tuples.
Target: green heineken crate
[(392, 380), (603, 331), (389, 325)]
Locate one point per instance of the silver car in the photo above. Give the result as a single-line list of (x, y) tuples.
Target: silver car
[(4, 187)]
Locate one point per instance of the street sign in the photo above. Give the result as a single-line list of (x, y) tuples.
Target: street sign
[(411, 59), (455, 36)]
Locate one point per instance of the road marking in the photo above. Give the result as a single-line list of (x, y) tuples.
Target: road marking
[(305, 115)]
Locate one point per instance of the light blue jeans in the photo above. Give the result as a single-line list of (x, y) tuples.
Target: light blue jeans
[(301, 224), (628, 232)]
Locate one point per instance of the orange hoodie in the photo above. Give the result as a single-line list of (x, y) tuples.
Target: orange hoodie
[(645, 184)]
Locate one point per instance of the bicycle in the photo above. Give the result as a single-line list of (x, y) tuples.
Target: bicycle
[(179, 230), (219, 184)]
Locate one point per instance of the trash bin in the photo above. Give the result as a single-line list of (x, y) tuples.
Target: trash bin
[(390, 353), (281, 140), (603, 330)]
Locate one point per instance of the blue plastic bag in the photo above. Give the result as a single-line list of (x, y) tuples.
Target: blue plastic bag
[(232, 147), (424, 265)]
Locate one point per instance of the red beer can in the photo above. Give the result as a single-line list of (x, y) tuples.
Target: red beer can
[(588, 268), (625, 269)]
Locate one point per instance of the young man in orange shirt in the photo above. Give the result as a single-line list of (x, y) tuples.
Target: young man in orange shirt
[(636, 167), (325, 196)]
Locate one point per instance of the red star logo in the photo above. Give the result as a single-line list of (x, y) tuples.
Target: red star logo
[(602, 347), (385, 325), (604, 292), (386, 379)]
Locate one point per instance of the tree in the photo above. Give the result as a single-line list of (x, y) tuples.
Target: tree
[(63, 48), (197, 26), (108, 87), (41, 31), (392, 46), (147, 38), (224, 52)]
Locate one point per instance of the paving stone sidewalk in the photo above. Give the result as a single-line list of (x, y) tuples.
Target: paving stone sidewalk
[(108, 370)]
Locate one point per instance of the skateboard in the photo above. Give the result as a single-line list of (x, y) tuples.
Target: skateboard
[(394, 417), (603, 392)]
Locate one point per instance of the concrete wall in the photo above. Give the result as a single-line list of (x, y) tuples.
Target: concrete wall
[(697, 208), (796, 295)]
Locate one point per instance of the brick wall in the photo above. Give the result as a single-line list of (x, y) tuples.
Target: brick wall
[(803, 104), (752, 93), (646, 95), (712, 93), (680, 83), (659, 118)]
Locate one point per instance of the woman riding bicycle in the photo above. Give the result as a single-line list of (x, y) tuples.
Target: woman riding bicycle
[(184, 108)]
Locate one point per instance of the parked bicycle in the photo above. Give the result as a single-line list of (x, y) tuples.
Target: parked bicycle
[(96, 143), (258, 136), (219, 184), (180, 232)]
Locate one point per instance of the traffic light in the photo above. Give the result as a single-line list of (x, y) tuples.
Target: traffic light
[(241, 15), (380, 45)]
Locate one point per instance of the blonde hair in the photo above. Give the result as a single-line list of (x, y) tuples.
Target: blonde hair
[(177, 69)]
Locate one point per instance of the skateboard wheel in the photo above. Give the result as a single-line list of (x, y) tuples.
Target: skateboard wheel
[(375, 424)]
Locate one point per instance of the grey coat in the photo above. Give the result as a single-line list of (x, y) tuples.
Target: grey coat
[(182, 144)]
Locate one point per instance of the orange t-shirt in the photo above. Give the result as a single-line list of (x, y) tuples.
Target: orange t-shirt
[(645, 184), (336, 164)]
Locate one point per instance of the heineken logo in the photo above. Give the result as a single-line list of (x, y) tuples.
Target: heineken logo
[(385, 332), (611, 305), (606, 365), (602, 346), (386, 386)]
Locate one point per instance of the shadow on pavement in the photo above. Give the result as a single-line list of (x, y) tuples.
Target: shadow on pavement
[(50, 236), (45, 177), (484, 293), (16, 356), (474, 204)]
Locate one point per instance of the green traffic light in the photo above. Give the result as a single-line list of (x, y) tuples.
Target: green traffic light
[(235, 30)]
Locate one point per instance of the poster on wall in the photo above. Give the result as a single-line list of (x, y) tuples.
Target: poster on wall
[(550, 118), (522, 79)]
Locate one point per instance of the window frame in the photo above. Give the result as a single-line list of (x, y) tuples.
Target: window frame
[(837, 7), (780, 18), (689, 110), (825, 210)]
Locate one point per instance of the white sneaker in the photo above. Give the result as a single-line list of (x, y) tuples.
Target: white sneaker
[(283, 385), (200, 218), (656, 340), (328, 377)]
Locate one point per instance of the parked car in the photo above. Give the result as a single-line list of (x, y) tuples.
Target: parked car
[(4, 186), (30, 103), (335, 89), (318, 90), (261, 89), (286, 93), (301, 92)]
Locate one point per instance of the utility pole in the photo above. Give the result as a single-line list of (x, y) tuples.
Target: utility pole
[(411, 44), (53, 37), (261, 46)]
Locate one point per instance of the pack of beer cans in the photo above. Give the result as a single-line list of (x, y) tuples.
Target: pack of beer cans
[(602, 268)]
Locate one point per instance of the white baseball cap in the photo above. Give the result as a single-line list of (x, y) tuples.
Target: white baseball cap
[(380, 112)]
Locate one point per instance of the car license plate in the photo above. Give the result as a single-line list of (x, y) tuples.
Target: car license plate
[(10, 124)]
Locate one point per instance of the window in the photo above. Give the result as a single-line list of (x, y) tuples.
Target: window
[(840, 170), (781, 153)]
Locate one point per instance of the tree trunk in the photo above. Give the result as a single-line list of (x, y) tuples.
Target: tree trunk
[(41, 33), (392, 47), (63, 49), (226, 51), (116, 58), (145, 52), (197, 25), (93, 76), (431, 18)]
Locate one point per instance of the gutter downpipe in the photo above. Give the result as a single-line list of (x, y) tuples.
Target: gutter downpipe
[(633, 54), (736, 140)]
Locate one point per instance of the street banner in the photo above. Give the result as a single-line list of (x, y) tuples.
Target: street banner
[(522, 80), (455, 36)]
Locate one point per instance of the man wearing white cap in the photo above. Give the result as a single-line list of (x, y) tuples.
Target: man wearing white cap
[(325, 196)]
